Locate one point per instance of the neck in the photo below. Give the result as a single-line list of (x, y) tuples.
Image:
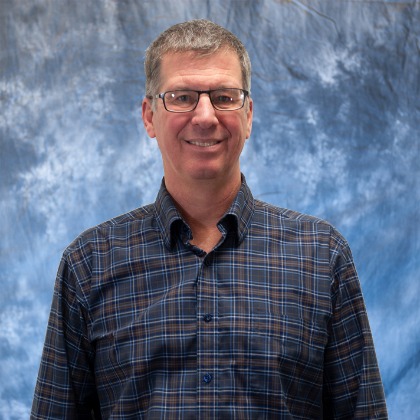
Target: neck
[(202, 203)]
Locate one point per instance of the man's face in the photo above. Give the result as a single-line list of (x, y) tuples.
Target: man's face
[(204, 144)]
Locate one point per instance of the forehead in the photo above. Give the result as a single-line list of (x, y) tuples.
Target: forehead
[(194, 70)]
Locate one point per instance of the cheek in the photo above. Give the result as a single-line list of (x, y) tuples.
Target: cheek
[(169, 125), (168, 134)]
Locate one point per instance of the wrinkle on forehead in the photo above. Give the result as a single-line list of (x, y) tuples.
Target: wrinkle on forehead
[(190, 70)]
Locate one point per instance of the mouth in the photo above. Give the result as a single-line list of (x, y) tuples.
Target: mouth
[(203, 143)]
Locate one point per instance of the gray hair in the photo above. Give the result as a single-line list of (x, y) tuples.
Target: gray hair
[(201, 36)]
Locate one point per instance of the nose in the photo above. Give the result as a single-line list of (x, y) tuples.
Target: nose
[(204, 113)]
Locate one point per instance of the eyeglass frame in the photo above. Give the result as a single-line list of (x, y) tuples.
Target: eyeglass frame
[(208, 92)]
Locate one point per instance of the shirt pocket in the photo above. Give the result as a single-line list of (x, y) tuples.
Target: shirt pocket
[(288, 354)]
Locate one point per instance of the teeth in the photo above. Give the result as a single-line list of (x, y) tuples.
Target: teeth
[(201, 144)]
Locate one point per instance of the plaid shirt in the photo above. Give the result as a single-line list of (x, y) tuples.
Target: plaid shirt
[(270, 324)]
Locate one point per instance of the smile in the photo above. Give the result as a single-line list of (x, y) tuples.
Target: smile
[(203, 144)]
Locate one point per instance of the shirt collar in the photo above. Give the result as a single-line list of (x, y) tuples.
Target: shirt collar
[(234, 222)]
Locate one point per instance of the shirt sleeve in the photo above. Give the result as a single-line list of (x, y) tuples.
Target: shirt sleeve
[(352, 383), (65, 387)]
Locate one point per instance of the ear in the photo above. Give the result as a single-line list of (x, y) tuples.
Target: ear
[(249, 114), (147, 115)]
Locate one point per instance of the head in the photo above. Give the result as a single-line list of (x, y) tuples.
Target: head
[(200, 36), (203, 143)]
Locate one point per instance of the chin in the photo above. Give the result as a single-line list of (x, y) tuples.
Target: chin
[(206, 175), (203, 172)]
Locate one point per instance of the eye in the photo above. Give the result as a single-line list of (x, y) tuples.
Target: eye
[(222, 98), (227, 99), (181, 97)]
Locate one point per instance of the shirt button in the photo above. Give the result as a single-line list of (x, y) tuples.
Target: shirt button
[(207, 378), (208, 261), (207, 317)]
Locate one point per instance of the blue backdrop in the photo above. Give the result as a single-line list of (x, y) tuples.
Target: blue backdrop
[(336, 88)]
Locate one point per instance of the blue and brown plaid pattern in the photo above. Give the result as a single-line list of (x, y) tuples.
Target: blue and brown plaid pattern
[(271, 324)]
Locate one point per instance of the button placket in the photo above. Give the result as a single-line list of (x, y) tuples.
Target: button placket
[(207, 333)]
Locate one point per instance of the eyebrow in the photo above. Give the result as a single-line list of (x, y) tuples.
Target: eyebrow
[(190, 88)]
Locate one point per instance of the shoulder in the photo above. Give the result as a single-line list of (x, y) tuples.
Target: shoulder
[(98, 252), (119, 228), (301, 226), (284, 215)]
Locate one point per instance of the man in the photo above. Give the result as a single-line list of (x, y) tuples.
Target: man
[(207, 303)]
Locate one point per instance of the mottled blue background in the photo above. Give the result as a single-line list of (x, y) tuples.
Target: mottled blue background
[(336, 86)]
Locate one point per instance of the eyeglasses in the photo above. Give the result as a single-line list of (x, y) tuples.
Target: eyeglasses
[(229, 99)]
